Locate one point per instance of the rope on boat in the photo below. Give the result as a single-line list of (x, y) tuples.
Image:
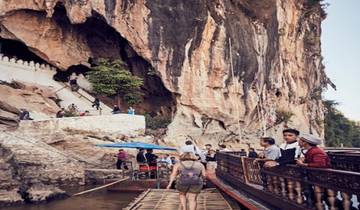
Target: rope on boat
[(101, 187)]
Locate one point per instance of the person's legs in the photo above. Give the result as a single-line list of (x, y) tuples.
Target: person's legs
[(182, 197), (118, 164), (192, 200)]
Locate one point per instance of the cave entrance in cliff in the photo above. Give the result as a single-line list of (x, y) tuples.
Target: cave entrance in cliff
[(19, 50), (105, 42), (63, 76)]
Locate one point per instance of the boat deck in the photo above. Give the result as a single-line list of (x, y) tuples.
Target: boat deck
[(161, 199)]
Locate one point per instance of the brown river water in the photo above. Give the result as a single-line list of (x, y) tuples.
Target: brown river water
[(98, 200)]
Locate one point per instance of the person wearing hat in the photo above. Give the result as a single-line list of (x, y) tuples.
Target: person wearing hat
[(314, 157)]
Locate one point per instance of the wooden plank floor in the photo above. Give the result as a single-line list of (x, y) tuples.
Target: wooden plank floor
[(161, 199)]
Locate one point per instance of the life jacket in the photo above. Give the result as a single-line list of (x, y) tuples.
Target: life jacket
[(190, 175)]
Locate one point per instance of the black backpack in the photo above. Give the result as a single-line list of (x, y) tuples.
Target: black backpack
[(190, 175)]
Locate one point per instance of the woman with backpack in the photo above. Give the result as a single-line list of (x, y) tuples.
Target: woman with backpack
[(189, 174)]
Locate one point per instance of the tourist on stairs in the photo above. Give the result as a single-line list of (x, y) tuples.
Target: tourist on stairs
[(96, 104), (73, 82), (314, 156), (190, 174), (290, 149)]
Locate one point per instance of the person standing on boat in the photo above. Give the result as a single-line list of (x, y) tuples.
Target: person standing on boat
[(151, 158), (189, 174), (121, 159), (271, 150), (190, 147), (314, 156), (290, 149)]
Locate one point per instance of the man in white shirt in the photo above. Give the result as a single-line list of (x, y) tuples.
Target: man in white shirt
[(190, 147), (290, 149)]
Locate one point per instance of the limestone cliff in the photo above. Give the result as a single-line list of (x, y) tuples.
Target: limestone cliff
[(273, 48)]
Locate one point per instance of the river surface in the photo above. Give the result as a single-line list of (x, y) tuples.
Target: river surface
[(98, 200)]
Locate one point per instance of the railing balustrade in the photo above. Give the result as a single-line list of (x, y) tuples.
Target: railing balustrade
[(346, 160), (292, 186)]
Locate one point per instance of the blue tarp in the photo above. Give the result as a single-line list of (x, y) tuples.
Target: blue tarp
[(136, 145)]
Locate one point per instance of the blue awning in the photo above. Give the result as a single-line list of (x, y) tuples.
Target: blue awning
[(137, 145)]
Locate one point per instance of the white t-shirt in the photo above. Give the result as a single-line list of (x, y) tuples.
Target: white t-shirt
[(193, 149)]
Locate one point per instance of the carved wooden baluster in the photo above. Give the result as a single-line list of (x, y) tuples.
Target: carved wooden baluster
[(276, 185), (299, 197), (309, 195), (290, 185), (270, 184), (318, 195), (283, 186), (346, 201), (331, 199)]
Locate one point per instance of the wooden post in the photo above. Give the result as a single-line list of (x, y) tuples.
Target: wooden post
[(299, 198), (331, 198), (290, 185), (346, 201), (318, 198)]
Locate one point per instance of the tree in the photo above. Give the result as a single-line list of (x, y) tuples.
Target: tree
[(113, 78), (339, 129)]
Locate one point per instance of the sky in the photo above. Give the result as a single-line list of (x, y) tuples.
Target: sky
[(341, 51)]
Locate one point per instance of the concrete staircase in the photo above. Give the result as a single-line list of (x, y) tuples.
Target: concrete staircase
[(12, 69)]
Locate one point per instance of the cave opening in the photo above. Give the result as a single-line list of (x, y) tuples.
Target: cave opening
[(105, 42), (18, 50), (63, 76)]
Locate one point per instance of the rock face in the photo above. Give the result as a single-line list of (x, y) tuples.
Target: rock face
[(235, 69), (31, 167)]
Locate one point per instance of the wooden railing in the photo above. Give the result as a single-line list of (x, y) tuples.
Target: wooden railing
[(291, 187), (345, 160)]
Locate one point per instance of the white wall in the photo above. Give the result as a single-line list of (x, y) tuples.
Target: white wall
[(115, 124)]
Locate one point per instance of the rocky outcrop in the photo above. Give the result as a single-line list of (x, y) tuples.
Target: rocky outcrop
[(40, 193), (40, 101), (232, 67), (31, 168)]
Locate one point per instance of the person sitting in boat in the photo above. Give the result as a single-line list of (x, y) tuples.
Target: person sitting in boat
[(290, 149), (165, 159), (151, 158), (314, 156), (189, 174), (140, 157)]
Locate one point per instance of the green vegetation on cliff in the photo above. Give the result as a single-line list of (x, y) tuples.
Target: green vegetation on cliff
[(113, 78), (339, 129)]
